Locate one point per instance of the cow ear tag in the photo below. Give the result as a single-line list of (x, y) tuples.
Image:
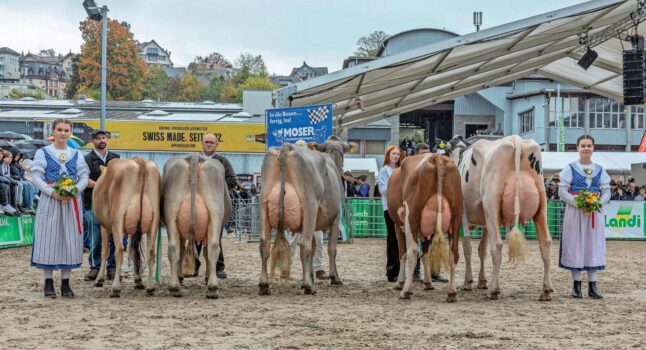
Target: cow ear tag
[(103, 169)]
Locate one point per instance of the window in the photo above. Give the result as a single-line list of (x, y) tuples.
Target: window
[(152, 51), (607, 114), (571, 108), (526, 121)]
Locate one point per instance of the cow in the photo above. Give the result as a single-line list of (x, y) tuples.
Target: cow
[(502, 185), (126, 201), (196, 204), (424, 202), (301, 192)]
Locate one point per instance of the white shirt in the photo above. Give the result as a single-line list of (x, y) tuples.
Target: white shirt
[(382, 182)]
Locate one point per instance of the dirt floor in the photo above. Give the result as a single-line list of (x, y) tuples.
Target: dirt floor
[(363, 313)]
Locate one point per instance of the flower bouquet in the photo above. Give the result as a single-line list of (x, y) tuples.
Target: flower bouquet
[(66, 187), (588, 202)]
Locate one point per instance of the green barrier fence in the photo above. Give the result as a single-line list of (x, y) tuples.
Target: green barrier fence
[(16, 230)]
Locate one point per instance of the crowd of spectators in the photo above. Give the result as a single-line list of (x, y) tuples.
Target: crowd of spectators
[(620, 191)]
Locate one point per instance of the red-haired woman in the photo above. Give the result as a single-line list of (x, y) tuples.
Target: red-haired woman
[(391, 161)]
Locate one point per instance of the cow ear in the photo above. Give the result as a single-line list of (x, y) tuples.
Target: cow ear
[(313, 146), (350, 147)]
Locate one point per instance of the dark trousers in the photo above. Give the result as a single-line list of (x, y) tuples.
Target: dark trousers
[(4, 194), (219, 266), (392, 249)]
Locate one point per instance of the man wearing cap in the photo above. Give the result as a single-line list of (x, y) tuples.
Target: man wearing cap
[(209, 146), (95, 159), (631, 189)]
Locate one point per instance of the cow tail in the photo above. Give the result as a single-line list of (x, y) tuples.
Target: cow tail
[(135, 245), (280, 253), (439, 254), (516, 240), (188, 264)]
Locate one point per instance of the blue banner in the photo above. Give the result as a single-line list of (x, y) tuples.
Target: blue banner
[(308, 123)]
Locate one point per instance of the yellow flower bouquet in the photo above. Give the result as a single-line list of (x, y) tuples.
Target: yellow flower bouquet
[(588, 201), (66, 187)]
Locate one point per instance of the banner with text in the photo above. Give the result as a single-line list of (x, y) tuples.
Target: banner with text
[(308, 123), (168, 136), (625, 219)]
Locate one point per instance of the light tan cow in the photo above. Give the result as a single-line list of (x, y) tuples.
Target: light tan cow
[(502, 185), (126, 202), (196, 205)]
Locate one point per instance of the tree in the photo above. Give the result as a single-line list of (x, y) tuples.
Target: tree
[(214, 57), (369, 45), (229, 92), (212, 92), (126, 69), (185, 89), (248, 65), (254, 83), (155, 83), (73, 84), (47, 52)]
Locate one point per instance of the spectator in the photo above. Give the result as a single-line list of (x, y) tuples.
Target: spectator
[(392, 160), (364, 188), (613, 188), (553, 191), (641, 195), (348, 184), (620, 194), (422, 148), (28, 190), (253, 191), (15, 187), (631, 191)]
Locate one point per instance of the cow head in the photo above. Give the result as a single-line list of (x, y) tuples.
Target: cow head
[(456, 146), (335, 148)]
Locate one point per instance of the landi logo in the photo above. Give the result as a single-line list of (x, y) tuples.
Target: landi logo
[(625, 218), (4, 222)]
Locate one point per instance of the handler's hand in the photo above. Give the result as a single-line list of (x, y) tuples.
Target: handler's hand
[(60, 198)]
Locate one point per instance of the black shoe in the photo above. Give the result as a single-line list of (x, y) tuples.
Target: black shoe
[(50, 292), (592, 290), (436, 277), (221, 274), (576, 290), (91, 276), (66, 291)]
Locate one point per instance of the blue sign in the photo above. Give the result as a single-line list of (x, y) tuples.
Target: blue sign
[(308, 123)]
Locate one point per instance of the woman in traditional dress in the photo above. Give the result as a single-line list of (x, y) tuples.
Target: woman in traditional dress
[(583, 240), (58, 234), (391, 161)]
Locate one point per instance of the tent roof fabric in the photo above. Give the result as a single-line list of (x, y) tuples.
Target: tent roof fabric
[(613, 162), (549, 44)]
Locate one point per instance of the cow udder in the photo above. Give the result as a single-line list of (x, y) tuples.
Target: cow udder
[(293, 208), (201, 223), (527, 195), (429, 216), (131, 218)]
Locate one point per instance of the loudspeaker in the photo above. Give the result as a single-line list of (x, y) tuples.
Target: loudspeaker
[(634, 77)]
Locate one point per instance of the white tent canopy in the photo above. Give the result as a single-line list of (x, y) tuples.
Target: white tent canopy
[(365, 164), (613, 162), (549, 44)]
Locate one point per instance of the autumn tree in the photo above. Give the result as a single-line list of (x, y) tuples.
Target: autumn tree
[(212, 92), (254, 83), (248, 65), (369, 45), (125, 68), (73, 84), (155, 83), (47, 52), (214, 57)]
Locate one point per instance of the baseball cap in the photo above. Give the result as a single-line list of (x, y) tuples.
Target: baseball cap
[(97, 132)]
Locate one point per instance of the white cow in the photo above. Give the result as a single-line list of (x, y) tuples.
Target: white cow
[(502, 185)]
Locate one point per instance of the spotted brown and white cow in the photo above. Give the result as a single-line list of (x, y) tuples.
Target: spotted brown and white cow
[(424, 202), (502, 185)]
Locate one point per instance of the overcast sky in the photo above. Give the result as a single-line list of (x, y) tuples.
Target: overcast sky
[(284, 32)]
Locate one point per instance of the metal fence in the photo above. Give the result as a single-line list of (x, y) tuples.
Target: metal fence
[(364, 218)]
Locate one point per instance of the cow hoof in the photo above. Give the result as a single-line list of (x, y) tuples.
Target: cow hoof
[(212, 292), (150, 291), (206, 281), (264, 289), (175, 291), (428, 286), (309, 290), (405, 295), (546, 295), (482, 285), (452, 298), (335, 280), (399, 286), (139, 284), (181, 281), (115, 293), (467, 287), (98, 283), (493, 295)]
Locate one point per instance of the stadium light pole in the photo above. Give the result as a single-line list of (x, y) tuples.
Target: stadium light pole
[(100, 14)]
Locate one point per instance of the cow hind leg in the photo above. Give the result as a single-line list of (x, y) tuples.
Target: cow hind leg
[(151, 242), (545, 243), (213, 247), (411, 257), (117, 232), (426, 261), (401, 246), (174, 258), (265, 245), (134, 249), (331, 252), (482, 254), (105, 246), (306, 251), (466, 248), (496, 244)]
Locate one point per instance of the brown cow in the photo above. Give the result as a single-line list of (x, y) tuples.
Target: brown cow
[(126, 201), (302, 192), (425, 201)]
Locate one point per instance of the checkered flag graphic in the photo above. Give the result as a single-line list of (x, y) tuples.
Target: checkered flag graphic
[(317, 115)]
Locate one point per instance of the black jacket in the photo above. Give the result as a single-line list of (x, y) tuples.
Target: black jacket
[(229, 174), (349, 189), (94, 162)]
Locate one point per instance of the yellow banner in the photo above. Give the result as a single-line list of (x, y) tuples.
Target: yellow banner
[(173, 136)]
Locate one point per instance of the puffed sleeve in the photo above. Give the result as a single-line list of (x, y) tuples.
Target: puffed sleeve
[(38, 172), (82, 171), (565, 181), (605, 187)]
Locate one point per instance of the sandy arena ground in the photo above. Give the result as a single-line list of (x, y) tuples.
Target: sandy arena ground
[(363, 313)]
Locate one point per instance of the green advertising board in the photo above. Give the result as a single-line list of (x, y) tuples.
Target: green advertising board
[(10, 231)]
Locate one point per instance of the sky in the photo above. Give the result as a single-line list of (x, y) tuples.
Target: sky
[(284, 32)]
